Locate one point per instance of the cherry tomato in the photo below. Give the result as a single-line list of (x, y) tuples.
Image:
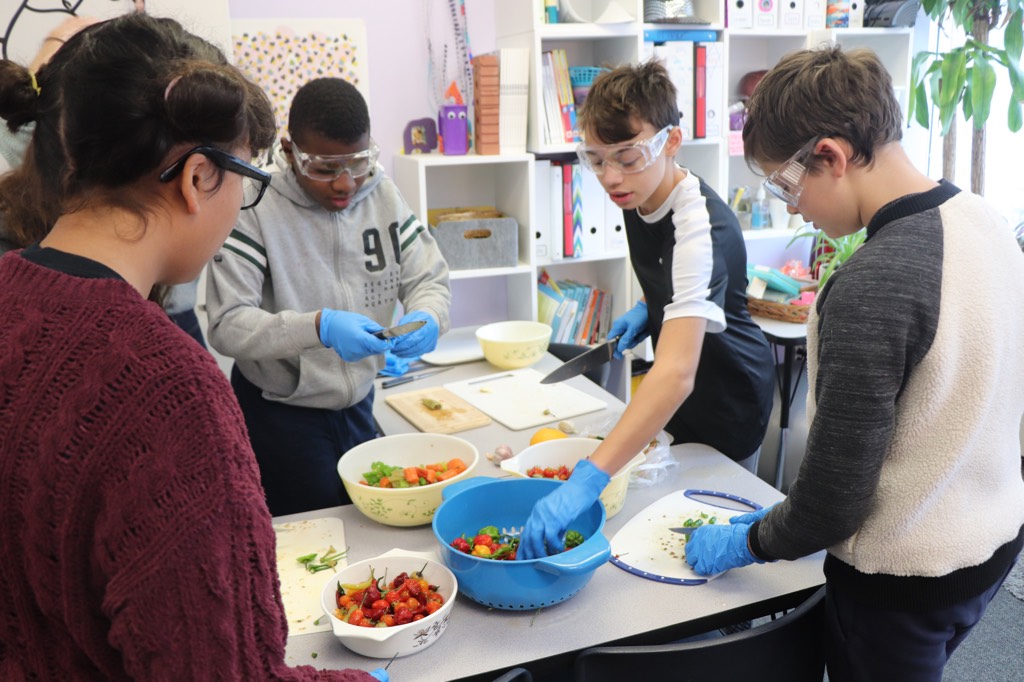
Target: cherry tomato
[(485, 540)]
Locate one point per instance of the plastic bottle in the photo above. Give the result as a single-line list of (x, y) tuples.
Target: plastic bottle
[(760, 218)]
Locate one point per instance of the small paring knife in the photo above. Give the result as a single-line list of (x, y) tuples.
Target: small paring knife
[(684, 530), (412, 377), (401, 329)]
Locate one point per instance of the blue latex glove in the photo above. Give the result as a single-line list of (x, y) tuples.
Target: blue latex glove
[(713, 549), (631, 328), (750, 517), (423, 340), (351, 335), (393, 366), (551, 516), (381, 674)]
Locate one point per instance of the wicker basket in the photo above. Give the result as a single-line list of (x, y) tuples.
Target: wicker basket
[(787, 312)]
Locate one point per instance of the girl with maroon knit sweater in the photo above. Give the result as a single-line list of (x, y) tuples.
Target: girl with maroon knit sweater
[(134, 539)]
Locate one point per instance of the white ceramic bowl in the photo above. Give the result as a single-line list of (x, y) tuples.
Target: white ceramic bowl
[(568, 452), (401, 639), (514, 344), (403, 506)]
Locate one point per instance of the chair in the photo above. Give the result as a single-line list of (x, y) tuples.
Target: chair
[(516, 675), (788, 649)]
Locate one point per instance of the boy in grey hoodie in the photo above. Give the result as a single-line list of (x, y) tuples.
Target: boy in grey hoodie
[(301, 284)]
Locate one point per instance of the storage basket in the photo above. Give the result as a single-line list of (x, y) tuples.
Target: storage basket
[(583, 76), (787, 312)]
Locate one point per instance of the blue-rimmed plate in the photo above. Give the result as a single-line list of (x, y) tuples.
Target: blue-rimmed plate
[(647, 548)]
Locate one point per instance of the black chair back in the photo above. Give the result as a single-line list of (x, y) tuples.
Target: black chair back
[(788, 649), (516, 675)]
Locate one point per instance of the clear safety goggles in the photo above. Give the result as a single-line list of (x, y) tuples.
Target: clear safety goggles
[(628, 158), (324, 168), (787, 181)]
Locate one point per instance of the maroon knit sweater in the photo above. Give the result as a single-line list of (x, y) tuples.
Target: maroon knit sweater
[(134, 539)]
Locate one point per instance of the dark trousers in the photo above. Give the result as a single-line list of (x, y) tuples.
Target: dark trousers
[(865, 644), (298, 448)]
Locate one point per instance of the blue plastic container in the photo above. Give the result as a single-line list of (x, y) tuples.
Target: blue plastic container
[(515, 585)]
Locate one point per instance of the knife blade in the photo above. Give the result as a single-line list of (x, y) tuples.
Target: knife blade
[(684, 530), (398, 381), (399, 330), (584, 362)]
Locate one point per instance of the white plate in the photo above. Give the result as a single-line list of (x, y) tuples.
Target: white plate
[(300, 589), (647, 548), (457, 346)]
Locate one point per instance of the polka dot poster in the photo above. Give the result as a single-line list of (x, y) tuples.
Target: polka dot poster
[(282, 54)]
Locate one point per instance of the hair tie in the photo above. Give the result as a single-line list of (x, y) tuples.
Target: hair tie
[(34, 82), (170, 86)]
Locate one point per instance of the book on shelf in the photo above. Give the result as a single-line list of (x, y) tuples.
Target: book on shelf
[(513, 98), (559, 103), (553, 133), (700, 91), (576, 312)]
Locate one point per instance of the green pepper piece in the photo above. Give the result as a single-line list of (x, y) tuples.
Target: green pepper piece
[(573, 539), (489, 530)]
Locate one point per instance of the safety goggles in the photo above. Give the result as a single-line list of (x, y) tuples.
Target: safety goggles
[(227, 162), (329, 168), (632, 157), (787, 181)]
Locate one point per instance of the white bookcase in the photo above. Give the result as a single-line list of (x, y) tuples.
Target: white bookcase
[(430, 181)]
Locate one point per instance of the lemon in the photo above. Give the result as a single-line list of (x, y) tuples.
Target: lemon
[(547, 433)]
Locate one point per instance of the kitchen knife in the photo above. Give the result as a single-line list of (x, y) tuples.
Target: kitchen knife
[(412, 377), (584, 362), (392, 332), (684, 530)]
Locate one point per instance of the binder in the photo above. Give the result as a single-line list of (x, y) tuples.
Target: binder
[(593, 197), (567, 224), (554, 221), (715, 116), (766, 14), (678, 59), (814, 14), (740, 14), (577, 210), (614, 228), (791, 14), (856, 13), (542, 210), (700, 91)]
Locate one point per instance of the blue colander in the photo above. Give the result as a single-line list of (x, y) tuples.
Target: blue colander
[(515, 585)]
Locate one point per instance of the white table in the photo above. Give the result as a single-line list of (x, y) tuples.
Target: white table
[(614, 607), (788, 335)]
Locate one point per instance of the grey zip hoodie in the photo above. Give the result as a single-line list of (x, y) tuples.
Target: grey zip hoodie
[(288, 258)]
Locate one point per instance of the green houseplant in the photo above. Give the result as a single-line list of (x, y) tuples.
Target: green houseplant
[(964, 77), (829, 253)]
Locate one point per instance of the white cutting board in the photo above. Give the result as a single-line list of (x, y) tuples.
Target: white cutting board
[(457, 346), (517, 399), (647, 548), (300, 589)]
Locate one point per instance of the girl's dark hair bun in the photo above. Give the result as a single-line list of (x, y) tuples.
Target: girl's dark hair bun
[(18, 95)]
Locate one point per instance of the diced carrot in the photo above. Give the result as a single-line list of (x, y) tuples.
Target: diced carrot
[(456, 464), (445, 475), (412, 477), (363, 483), (385, 482), (436, 467), (431, 476)]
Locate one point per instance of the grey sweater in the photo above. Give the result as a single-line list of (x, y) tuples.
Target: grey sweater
[(911, 478), (288, 258)]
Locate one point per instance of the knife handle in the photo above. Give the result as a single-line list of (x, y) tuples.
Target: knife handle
[(398, 381)]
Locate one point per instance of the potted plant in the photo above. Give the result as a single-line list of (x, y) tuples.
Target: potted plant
[(964, 77), (829, 253)]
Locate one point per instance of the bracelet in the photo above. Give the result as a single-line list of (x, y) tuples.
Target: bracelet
[(59, 40)]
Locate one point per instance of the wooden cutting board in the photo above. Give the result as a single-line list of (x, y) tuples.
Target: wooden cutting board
[(454, 416)]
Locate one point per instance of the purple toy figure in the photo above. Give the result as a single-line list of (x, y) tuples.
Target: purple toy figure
[(453, 129)]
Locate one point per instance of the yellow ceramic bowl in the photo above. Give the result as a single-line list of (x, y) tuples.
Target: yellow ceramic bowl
[(514, 344), (403, 506), (567, 452)]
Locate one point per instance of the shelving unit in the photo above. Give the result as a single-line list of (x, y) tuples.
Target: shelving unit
[(508, 181)]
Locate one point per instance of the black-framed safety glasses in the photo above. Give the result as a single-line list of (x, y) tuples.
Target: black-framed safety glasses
[(228, 162)]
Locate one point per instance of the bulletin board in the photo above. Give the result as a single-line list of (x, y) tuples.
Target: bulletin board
[(281, 55)]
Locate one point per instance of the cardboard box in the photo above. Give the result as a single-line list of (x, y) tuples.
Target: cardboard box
[(478, 243)]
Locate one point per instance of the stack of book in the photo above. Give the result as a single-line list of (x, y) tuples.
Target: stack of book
[(559, 104), (577, 313), (486, 93)]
